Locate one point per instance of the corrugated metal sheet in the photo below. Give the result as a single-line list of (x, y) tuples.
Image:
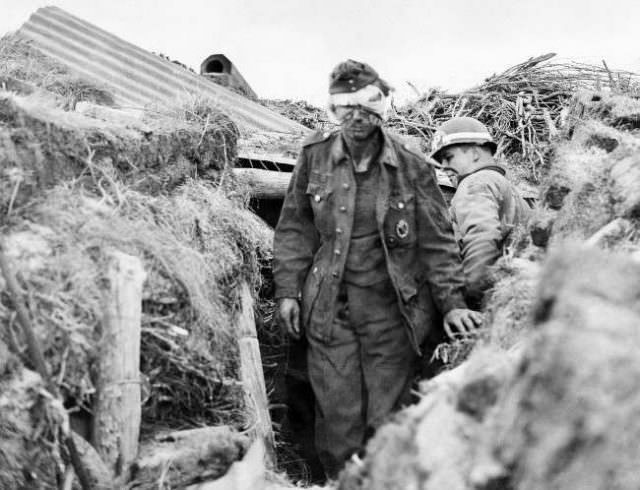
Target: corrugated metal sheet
[(136, 76)]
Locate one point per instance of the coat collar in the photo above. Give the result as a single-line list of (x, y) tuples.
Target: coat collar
[(495, 167), (388, 153)]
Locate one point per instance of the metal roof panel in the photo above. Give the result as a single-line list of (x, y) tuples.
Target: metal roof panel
[(138, 77)]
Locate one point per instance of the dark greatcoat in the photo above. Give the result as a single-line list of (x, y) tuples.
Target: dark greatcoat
[(312, 236)]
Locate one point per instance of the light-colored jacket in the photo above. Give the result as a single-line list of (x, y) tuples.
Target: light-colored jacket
[(485, 209)]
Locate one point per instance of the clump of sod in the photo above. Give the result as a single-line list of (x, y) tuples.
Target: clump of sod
[(41, 146)]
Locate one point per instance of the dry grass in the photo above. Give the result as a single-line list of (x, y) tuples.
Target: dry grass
[(455, 352), (29, 450), (195, 245)]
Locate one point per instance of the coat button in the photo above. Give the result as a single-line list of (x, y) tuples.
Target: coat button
[(343, 209), (346, 186), (335, 274), (337, 252), (400, 205), (339, 231), (316, 198), (391, 241)]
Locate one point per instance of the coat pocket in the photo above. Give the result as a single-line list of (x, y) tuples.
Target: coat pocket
[(400, 221), (319, 196), (402, 202), (318, 192)]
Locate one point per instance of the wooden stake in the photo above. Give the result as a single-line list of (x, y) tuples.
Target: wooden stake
[(117, 410), (251, 374)]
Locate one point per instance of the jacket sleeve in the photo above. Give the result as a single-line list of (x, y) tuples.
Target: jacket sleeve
[(296, 238), (476, 213), (439, 252)]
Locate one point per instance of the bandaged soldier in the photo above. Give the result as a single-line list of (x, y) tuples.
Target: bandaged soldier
[(366, 264)]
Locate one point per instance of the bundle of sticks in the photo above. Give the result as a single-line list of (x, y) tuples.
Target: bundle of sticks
[(523, 106)]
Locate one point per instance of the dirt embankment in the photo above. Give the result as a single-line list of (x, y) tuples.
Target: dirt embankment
[(80, 182)]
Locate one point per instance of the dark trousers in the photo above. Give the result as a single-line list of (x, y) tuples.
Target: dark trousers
[(362, 374)]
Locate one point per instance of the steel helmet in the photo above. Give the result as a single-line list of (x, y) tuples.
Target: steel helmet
[(460, 130)]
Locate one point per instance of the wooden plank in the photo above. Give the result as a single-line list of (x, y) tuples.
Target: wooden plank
[(117, 410), (251, 374)]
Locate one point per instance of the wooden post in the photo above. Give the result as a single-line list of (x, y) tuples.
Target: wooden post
[(264, 184), (272, 184), (251, 373), (117, 410)]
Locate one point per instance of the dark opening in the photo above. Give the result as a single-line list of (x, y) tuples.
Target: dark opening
[(267, 209), (284, 363), (214, 66)]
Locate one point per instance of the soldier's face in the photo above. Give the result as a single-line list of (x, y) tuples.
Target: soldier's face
[(357, 122), (458, 159)]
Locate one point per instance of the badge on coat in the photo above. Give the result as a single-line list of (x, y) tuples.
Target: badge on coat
[(402, 229)]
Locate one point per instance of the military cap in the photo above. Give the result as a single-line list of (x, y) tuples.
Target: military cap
[(351, 75)]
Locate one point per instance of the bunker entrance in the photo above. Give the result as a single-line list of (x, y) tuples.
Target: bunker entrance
[(292, 403)]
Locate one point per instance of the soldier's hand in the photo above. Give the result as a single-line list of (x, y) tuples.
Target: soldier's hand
[(289, 316), (460, 322)]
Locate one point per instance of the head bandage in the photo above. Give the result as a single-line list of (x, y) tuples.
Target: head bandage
[(370, 97)]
